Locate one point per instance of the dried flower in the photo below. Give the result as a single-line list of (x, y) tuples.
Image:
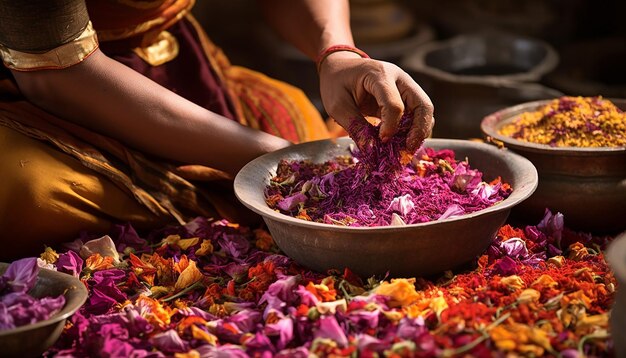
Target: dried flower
[(17, 307)]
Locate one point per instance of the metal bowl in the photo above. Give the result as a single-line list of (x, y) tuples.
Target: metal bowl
[(587, 185), (34, 339), (616, 257), (411, 250), (470, 76)]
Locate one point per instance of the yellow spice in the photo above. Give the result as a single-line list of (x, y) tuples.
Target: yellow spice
[(571, 122)]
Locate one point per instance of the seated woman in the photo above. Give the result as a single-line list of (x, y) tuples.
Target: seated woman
[(124, 111)]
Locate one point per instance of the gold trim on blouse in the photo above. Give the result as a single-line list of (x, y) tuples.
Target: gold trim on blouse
[(60, 57)]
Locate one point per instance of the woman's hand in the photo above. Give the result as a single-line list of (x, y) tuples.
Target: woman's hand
[(353, 87)]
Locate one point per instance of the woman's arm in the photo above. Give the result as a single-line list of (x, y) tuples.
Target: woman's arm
[(351, 87), (310, 25), (110, 98)]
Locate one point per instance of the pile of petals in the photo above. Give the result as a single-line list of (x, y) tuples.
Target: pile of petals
[(215, 289), (376, 155), (343, 191), (382, 184), (17, 307)]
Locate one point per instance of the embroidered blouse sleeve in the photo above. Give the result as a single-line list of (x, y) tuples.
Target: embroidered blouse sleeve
[(45, 34)]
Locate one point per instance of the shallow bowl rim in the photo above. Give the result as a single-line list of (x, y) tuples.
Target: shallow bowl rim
[(269, 214), (491, 123), (74, 300), (416, 61)]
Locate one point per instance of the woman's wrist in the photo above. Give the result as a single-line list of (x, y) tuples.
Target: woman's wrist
[(338, 51)]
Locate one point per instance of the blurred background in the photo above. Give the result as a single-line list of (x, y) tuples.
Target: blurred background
[(472, 57)]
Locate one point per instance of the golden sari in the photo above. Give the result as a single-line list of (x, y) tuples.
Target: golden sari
[(102, 182)]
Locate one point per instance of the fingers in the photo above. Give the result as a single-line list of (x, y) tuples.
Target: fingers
[(423, 122), (353, 122), (418, 102), (390, 102)]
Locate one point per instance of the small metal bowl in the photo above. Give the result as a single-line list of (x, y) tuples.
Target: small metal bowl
[(587, 185), (33, 339), (616, 257), (411, 250)]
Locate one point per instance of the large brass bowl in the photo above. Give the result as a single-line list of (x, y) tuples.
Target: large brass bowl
[(34, 339), (411, 250), (587, 185)]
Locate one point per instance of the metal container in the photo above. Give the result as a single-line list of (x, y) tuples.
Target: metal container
[(411, 250), (33, 339), (470, 76), (587, 185), (599, 75), (616, 257)]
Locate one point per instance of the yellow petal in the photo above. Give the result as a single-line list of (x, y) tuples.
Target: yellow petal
[(513, 282), (206, 247), (545, 281), (49, 255), (401, 291), (557, 261), (187, 243), (438, 305), (171, 240), (191, 354), (199, 334), (188, 277), (529, 295), (160, 290), (595, 321)]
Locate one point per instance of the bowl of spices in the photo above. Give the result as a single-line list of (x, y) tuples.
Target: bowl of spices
[(378, 210), (34, 305), (578, 145)]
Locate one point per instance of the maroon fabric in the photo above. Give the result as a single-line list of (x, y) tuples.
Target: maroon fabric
[(190, 74)]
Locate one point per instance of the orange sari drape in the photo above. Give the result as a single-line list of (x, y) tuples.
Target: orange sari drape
[(167, 190)]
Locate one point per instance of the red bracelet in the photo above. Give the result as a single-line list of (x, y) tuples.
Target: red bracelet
[(336, 48)]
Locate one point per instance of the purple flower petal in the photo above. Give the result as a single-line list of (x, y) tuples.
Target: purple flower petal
[(21, 275), (515, 248), (300, 352), (367, 343), (401, 204), (259, 344), (279, 294), (284, 329), (235, 246), (223, 351), (70, 263), (505, 266), (365, 319), (245, 320), (290, 202), (169, 342), (127, 237), (451, 211), (552, 225), (329, 328)]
